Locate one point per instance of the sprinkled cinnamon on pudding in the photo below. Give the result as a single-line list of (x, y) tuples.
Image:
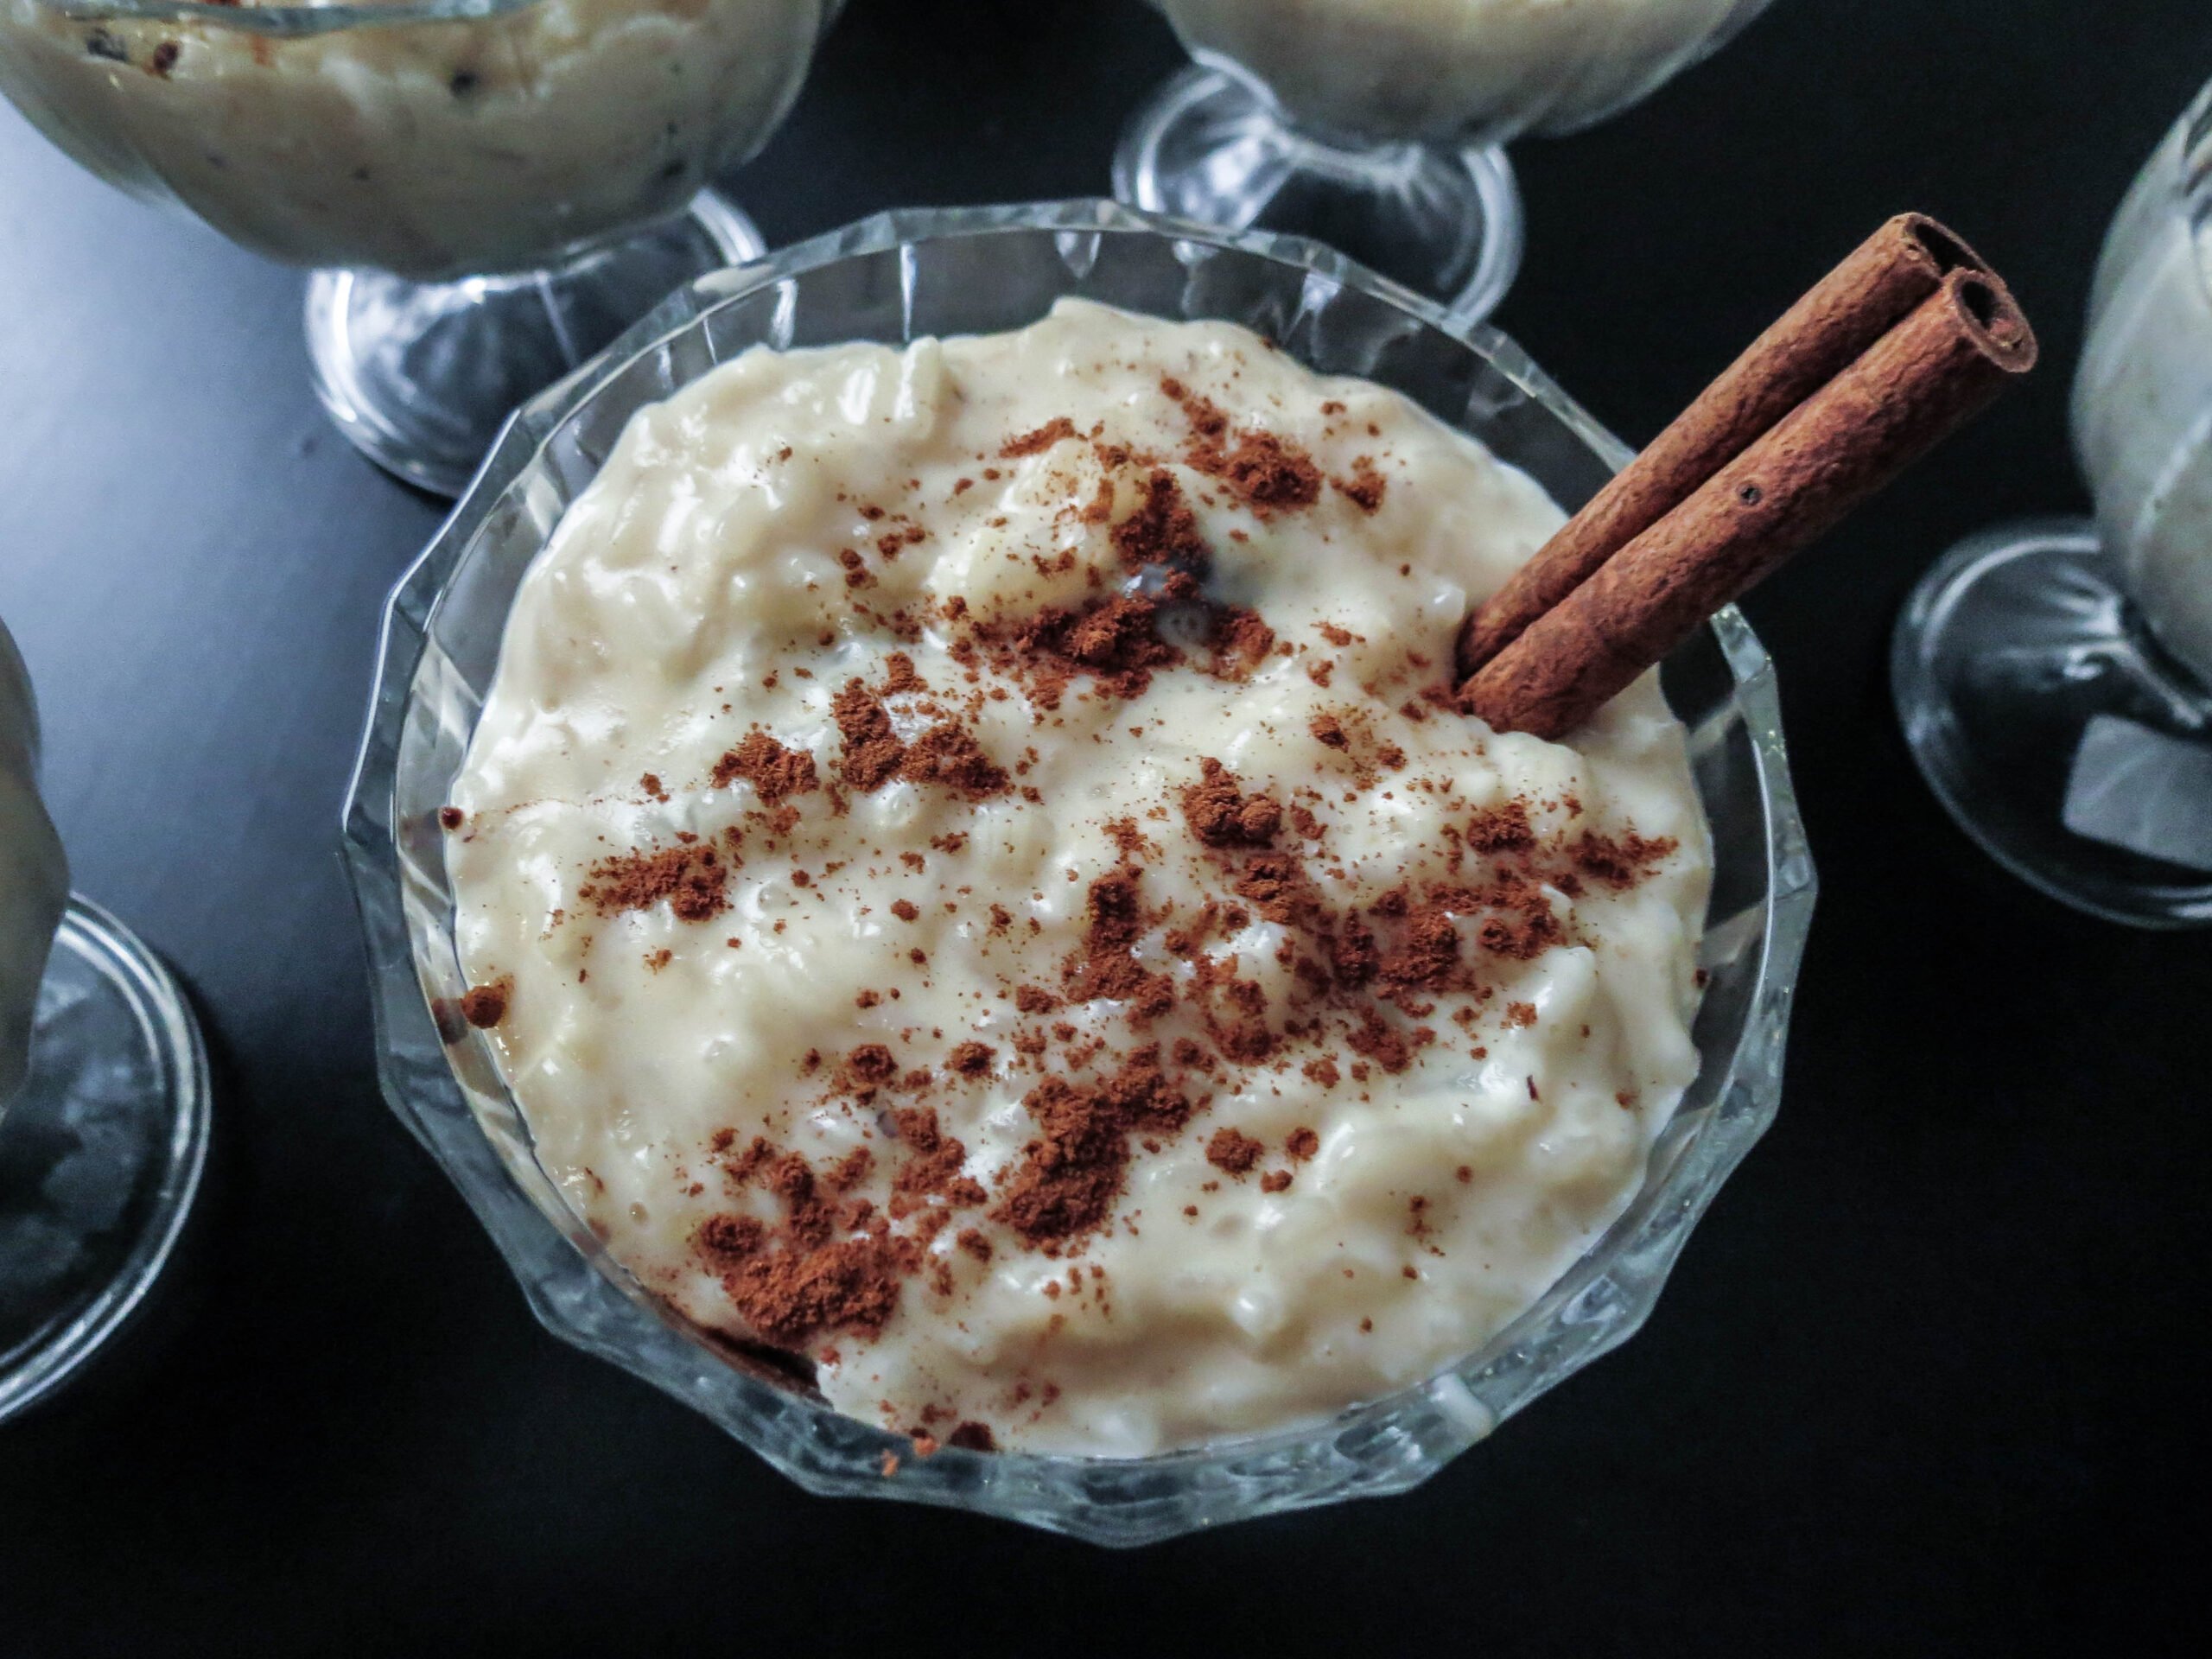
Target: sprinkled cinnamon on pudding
[(1049, 972)]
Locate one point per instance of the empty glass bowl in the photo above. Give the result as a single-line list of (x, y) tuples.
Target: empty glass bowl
[(1378, 124), (2055, 678), (894, 279), (489, 190)]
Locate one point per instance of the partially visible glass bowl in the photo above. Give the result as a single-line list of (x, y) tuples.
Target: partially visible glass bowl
[(1379, 125), (1482, 71), (893, 279), (489, 190), (2054, 676), (104, 1096), (432, 139)]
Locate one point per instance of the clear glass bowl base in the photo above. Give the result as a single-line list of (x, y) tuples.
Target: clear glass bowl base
[(2055, 730), (1444, 220), (101, 1155), (421, 376)]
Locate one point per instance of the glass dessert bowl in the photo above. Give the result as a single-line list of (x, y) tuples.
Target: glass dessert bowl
[(2055, 678), (104, 1096), (1378, 125), (984, 270), (486, 190)]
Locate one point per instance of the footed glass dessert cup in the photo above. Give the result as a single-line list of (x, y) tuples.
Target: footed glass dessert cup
[(891, 280), (488, 191), (2055, 677), (104, 1099), (1378, 125)]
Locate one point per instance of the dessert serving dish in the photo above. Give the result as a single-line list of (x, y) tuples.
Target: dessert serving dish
[(1381, 125), (486, 190), (104, 1104), (2054, 678), (892, 281)]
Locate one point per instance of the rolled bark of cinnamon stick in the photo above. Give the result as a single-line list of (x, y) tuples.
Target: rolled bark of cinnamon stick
[(1828, 330), (1913, 387)]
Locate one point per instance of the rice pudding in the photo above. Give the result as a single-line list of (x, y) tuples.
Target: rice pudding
[(431, 149), (972, 873), (1439, 69)]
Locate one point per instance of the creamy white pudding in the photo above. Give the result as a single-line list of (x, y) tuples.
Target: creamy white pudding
[(34, 874), (2143, 399), (429, 149), (1438, 69), (969, 870)]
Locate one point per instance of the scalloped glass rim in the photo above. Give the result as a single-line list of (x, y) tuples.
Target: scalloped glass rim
[(453, 1101)]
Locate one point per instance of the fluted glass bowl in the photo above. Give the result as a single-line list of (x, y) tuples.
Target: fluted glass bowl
[(1378, 125), (893, 279), (489, 190)]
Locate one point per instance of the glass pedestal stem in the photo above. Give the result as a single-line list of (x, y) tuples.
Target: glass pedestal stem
[(1444, 219), (2054, 728), (421, 376)]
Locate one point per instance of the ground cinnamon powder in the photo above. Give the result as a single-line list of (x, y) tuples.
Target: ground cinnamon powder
[(1070, 1176), (1365, 487), (1116, 640), (948, 755), (1274, 885), (971, 1059), (1502, 829), (796, 1279), (1241, 640), (1105, 966), (1163, 530), (1221, 815), (690, 878), (973, 1437), (899, 675), (873, 751), (485, 1006), (1428, 957), (1233, 1151), (933, 1165), (850, 1285), (1033, 443), (1522, 925), (1618, 863), (1380, 1042), (1267, 473), (773, 771)]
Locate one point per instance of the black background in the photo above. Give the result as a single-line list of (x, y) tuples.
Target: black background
[(1919, 1385)]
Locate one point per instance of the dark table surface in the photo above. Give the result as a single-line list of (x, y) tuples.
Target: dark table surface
[(1918, 1385)]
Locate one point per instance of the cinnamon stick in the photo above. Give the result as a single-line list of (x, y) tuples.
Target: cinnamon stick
[(1857, 302), (1914, 386)]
